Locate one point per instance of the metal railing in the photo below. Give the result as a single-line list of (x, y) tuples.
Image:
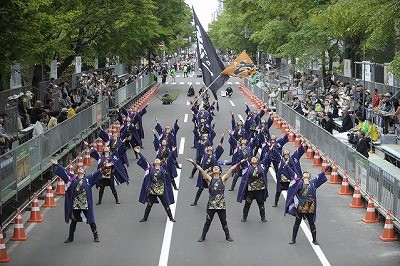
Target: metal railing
[(20, 166), (377, 177)]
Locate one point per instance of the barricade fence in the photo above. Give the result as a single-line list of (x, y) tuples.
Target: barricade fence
[(375, 181), (22, 165)]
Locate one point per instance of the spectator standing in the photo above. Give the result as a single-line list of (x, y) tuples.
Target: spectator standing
[(62, 116), (377, 99), (36, 111), (347, 123), (53, 119), (363, 144)]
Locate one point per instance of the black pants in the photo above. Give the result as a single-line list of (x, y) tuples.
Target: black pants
[(257, 195), (151, 200), (310, 218), (75, 218), (222, 219), (107, 182)]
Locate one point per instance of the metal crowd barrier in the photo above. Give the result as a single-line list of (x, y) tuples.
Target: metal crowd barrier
[(22, 165), (380, 181), (382, 88)]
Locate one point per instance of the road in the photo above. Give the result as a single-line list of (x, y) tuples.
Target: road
[(344, 239)]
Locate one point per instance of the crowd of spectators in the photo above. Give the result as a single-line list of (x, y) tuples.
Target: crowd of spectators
[(348, 105), (63, 101)]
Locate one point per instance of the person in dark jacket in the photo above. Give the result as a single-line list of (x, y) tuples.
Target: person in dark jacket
[(363, 145), (327, 122), (347, 123), (78, 198)]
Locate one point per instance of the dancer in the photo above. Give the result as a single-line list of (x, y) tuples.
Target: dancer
[(156, 184), (301, 200), (216, 201), (78, 197)]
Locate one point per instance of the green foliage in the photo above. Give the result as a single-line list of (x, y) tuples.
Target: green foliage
[(314, 30), (34, 31)]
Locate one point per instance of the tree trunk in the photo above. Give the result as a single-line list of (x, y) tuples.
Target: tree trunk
[(65, 64)]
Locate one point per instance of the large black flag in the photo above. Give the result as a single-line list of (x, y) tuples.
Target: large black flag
[(210, 64)]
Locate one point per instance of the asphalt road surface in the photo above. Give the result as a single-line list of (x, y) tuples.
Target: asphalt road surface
[(344, 239)]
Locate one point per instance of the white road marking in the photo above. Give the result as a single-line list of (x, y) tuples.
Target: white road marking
[(182, 145), (241, 118), (166, 82), (169, 225), (190, 76), (181, 83), (231, 103), (173, 83), (197, 83), (229, 83), (190, 83), (237, 82), (187, 103), (317, 249), (178, 76), (186, 118)]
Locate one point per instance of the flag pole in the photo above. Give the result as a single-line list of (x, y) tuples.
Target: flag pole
[(208, 87)]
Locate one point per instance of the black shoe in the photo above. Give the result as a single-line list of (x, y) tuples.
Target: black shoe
[(263, 220), (315, 242), (243, 220), (231, 189), (98, 203), (193, 204), (175, 188), (69, 240), (228, 238), (201, 239), (117, 202), (193, 147), (143, 220), (172, 220), (96, 238), (292, 242), (191, 177), (275, 205)]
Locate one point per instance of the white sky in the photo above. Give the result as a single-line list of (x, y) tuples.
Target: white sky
[(204, 10)]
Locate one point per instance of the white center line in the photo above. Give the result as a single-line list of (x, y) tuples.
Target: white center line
[(241, 118), (231, 103), (169, 225), (229, 83), (181, 83), (185, 119), (317, 249), (182, 145), (187, 103), (190, 83), (173, 83), (197, 83), (237, 82)]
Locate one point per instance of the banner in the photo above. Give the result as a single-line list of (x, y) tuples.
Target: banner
[(78, 64), (209, 62), (366, 71), (96, 63), (53, 69), (388, 76), (23, 164), (241, 67), (347, 68), (16, 77)]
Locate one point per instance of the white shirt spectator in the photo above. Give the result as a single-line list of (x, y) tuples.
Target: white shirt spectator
[(38, 129)]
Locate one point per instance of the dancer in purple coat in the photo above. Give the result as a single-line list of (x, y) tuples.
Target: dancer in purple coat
[(78, 198)]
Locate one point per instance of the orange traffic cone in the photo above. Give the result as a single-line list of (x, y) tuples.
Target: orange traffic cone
[(274, 119), (36, 217), (19, 230), (334, 179), (356, 201), (370, 216), (49, 200), (388, 230), (317, 158), (79, 162), (87, 160), (284, 125), (345, 188), (291, 136), (297, 141), (60, 189), (310, 152), (4, 258), (324, 164), (279, 123)]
